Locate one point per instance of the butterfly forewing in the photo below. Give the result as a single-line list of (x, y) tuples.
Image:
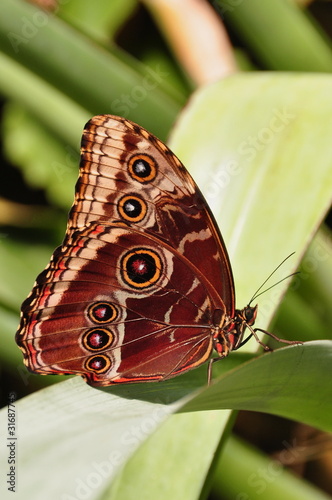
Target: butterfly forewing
[(168, 202)]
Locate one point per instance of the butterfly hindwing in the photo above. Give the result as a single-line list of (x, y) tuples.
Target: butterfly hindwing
[(115, 306)]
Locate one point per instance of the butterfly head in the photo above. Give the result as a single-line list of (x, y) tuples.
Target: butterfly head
[(243, 319), (246, 316)]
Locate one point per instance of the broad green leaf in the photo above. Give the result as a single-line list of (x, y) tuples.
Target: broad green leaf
[(179, 454), (75, 433), (102, 429), (258, 145), (277, 383), (292, 382)]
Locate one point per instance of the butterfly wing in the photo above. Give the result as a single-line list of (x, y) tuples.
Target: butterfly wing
[(131, 293), (116, 305)]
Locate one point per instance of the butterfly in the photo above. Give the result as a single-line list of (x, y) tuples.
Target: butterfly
[(141, 288)]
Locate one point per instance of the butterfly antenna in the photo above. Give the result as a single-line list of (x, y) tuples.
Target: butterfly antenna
[(258, 293)]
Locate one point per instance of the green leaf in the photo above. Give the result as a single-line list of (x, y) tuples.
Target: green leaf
[(191, 441), (80, 74), (100, 19), (55, 110), (277, 383), (279, 34), (256, 147), (292, 382), (77, 433), (22, 262), (306, 311), (46, 162), (260, 477), (73, 416)]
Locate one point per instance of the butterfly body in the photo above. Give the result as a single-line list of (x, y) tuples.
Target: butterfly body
[(141, 288)]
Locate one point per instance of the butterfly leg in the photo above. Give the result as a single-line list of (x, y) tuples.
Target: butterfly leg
[(254, 334), (245, 341), (278, 339), (209, 370), (265, 347)]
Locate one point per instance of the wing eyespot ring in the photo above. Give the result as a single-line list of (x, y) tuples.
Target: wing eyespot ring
[(141, 268), (97, 339), (98, 364), (102, 312), (132, 208), (142, 168)]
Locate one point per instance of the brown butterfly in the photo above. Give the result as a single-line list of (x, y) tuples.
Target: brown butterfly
[(141, 288)]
